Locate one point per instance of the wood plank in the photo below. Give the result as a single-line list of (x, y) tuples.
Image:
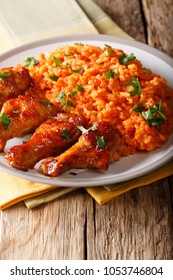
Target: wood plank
[(170, 179), (159, 19), (127, 14), (54, 231), (136, 225)]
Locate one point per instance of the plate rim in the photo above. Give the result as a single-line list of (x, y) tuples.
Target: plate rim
[(86, 37), (100, 37)]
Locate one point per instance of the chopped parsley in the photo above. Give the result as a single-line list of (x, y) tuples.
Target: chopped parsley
[(79, 71), (30, 61), (69, 102), (15, 111), (3, 75), (79, 88), (73, 92), (61, 97), (78, 44), (107, 46), (65, 134), (65, 102), (138, 108), (66, 99), (101, 142), (68, 54), (57, 61), (155, 116), (146, 71), (136, 86), (109, 50), (110, 74), (67, 65), (5, 120), (45, 102), (84, 130), (53, 77), (124, 59)]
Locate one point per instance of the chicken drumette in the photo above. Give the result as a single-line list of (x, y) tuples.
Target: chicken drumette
[(96, 148), (13, 82), (51, 138), (22, 115)]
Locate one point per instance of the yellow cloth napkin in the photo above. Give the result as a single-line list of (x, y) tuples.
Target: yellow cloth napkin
[(106, 193), (43, 19), (14, 189)]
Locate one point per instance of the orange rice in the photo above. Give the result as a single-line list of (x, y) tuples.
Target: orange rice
[(75, 78)]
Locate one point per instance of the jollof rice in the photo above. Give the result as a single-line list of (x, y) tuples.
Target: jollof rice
[(100, 84)]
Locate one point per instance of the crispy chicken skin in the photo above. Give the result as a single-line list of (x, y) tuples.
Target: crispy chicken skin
[(22, 115), (88, 152), (52, 137), (14, 81)]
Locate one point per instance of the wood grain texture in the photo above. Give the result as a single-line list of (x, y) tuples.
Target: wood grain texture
[(54, 231), (159, 20), (127, 14), (136, 225)]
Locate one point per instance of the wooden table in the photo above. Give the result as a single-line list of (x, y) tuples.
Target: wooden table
[(136, 225)]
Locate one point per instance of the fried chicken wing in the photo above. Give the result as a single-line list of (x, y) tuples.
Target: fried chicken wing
[(50, 138), (13, 82), (22, 115), (94, 149)]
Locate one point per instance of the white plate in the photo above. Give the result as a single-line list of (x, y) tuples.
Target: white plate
[(125, 169)]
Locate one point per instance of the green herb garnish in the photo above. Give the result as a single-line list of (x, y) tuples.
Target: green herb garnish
[(65, 134), (79, 71), (154, 115), (45, 102), (124, 59), (15, 111), (84, 130), (78, 44), (30, 61), (57, 61), (138, 108), (65, 102), (146, 71), (4, 118), (68, 54), (67, 65), (69, 102), (136, 85), (73, 92), (101, 142), (3, 75), (107, 46), (109, 50), (79, 88), (53, 77), (110, 74), (61, 97)]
